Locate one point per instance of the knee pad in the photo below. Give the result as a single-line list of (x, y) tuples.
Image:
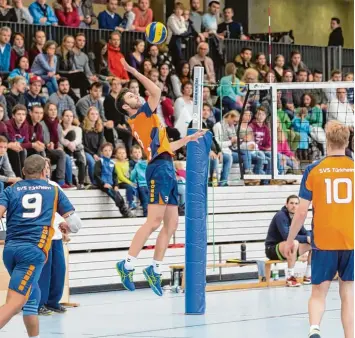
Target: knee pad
[(31, 306)]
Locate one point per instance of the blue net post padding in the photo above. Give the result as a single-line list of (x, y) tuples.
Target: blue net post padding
[(196, 227)]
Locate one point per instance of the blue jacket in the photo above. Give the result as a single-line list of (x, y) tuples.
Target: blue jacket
[(304, 129), (138, 173), (5, 58), (107, 22), (280, 227), (104, 172), (17, 72), (34, 101), (39, 12)]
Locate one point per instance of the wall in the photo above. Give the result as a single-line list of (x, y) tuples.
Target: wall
[(309, 19)]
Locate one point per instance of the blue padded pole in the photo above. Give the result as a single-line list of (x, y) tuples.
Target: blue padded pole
[(196, 227)]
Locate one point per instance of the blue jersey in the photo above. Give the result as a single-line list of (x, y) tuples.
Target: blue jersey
[(31, 207)]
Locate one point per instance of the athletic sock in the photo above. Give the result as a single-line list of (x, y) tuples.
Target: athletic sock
[(34, 337), (156, 266), (130, 262), (290, 272), (314, 327), (308, 271)]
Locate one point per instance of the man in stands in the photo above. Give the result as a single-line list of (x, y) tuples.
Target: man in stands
[(341, 110), (275, 242), (144, 15), (331, 93), (43, 14), (61, 98), (109, 19), (301, 77), (230, 29), (16, 94), (5, 36), (336, 36), (22, 12), (35, 131), (243, 61), (296, 64), (210, 19), (318, 93), (32, 96), (114, 57), (201, 59)]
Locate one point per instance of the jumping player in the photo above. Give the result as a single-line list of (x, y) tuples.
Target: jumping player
[(163, 196), (329, 185), (31, 206)]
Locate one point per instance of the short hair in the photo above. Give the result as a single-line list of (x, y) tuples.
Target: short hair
[(301, 70), (18, 34), (115, 33), (335, 19), (16, 80), (179, 5), (245, 49), (120, 147), (132, 81), (347, 74), (33, 166), (3, 139), (137, 147), (80, 34), (206, 104), (295, 52), (32, 108), (48, 44), (225, 8), (106, 144), (317, 71), (261, 108), (120, 101), (5, 29), (337, 134), (95, 85), (17, 108), (62, 79), (335, 72), (203, 43), (137, 42), (188, 83), (291, 197)]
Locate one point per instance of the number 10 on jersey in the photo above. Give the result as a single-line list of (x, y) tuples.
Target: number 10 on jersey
[(332, 187)]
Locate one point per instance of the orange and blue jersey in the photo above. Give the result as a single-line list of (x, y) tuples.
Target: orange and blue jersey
[(329, 183), (150, 133)]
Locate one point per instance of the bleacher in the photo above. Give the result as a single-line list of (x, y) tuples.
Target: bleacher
[(236, 215)]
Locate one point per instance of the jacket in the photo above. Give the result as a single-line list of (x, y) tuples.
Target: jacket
[(47, 136), (303, 128), (227, 89), (92, 142), (88, 10), (106, 21), (112, 113), (18, 134), (138, 173), (8, 16), (122, 172), (67, 19), (262, 135), (34, 101), (5, 169), (336, 37), (3, 130), (104, 172), (210, 75), (37, 12), (12, 100), (114, 62), (23, 15), (85, 103), (17, 72), (63, 102), (5, 57), (65, 65), (280, 227), (35, 133), (241, 66)]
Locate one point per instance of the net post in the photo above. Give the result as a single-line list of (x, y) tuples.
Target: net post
[(196, 207)]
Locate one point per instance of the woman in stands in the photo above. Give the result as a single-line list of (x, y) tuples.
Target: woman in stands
[(261, 66), (146, 67), (18, 49), (287, 94), (136, 58), (45, 66), (7, 13), (3, 128), (66, 66), (279, 63), (99, 62), (183, 109), (72, 140), (93, 139), (86, 13), (171, 83), (39, 40), (21, 69), (66, 13), (183, 72)]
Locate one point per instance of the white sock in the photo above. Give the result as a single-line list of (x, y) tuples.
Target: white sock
[(34, 337), (156, 266), (308, 271), (314, 327), (130, 262), (290, 272)]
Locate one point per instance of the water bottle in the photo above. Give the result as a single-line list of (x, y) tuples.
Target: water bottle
[(176, 288), (214, 179), (243, 252), (275, 273)]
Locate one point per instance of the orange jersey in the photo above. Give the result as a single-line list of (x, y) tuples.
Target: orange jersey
[(150, 133), (329, 185)]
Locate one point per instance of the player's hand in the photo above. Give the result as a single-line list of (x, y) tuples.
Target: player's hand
[(197, 135), (127, 67), (64, 228), (289, 248)]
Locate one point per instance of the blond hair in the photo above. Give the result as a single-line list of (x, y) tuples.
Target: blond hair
[(337, 134), (98, 128), (232, 113), (250, 71)]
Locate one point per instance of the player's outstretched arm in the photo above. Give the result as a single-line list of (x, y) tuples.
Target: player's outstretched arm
[(185, 140), (153, 89)]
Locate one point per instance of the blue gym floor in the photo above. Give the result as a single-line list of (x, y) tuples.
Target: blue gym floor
[(263, 313)]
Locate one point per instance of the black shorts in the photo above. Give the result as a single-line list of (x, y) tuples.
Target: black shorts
[(272, 252)]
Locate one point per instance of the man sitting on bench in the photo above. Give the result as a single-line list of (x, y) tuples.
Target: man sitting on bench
[(276, 240)]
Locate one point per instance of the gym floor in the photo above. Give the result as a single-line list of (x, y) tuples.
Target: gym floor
[(265, 313)]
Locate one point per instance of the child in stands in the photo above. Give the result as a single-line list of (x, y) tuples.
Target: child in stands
[(181, 179)]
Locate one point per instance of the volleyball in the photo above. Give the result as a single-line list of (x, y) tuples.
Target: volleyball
[(156, 33)]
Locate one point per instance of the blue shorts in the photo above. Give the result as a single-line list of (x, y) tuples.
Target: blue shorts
[(162, 183), (327, 263)]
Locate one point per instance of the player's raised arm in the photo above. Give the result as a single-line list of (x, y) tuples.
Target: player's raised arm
[(153, 89), (185, 140)]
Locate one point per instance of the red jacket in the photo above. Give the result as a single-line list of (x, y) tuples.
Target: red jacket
[(18, 134), (68, 19), (114, 62)]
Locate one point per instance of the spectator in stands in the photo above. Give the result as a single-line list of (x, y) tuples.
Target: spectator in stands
[(183, 109), (171, 83), (106, 179), (296, 64), (206, 97), (320, 98), (195, 15), (43, 14), (3, 128), (287, 94), (86, 13), (16, 94), (210, 19), (300, 124), (261, 66), (229, 89), (136, 58), (297, 94), (99, 61), (93, 139), (254, 99), (144, 15), (32, 96), (279, 63), (7, 176), (183, 72), (109, 19), (7, 13), (21, 69), (153, 55), (114, 57), (17, 129), (230, 29), (66, 13), (5, 49), (146, 67), (201, 59), (336, 36), (123, 176), (35, 131), (66, 66), (45, 66), (243, 61), (128, 17), (22, 13), (52, 133), (39, 40), (72, 141), (276, 240), (349, 77), (111, 111), (341, 110), (335, 76), (18, 49), (138, 176), (61, 98)]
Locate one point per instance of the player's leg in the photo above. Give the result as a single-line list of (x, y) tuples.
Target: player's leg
[(30, 311), (44, 285), (291, 262), (13, 305), (302, 249)]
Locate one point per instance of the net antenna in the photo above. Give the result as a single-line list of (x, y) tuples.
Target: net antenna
[(197, 98)]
